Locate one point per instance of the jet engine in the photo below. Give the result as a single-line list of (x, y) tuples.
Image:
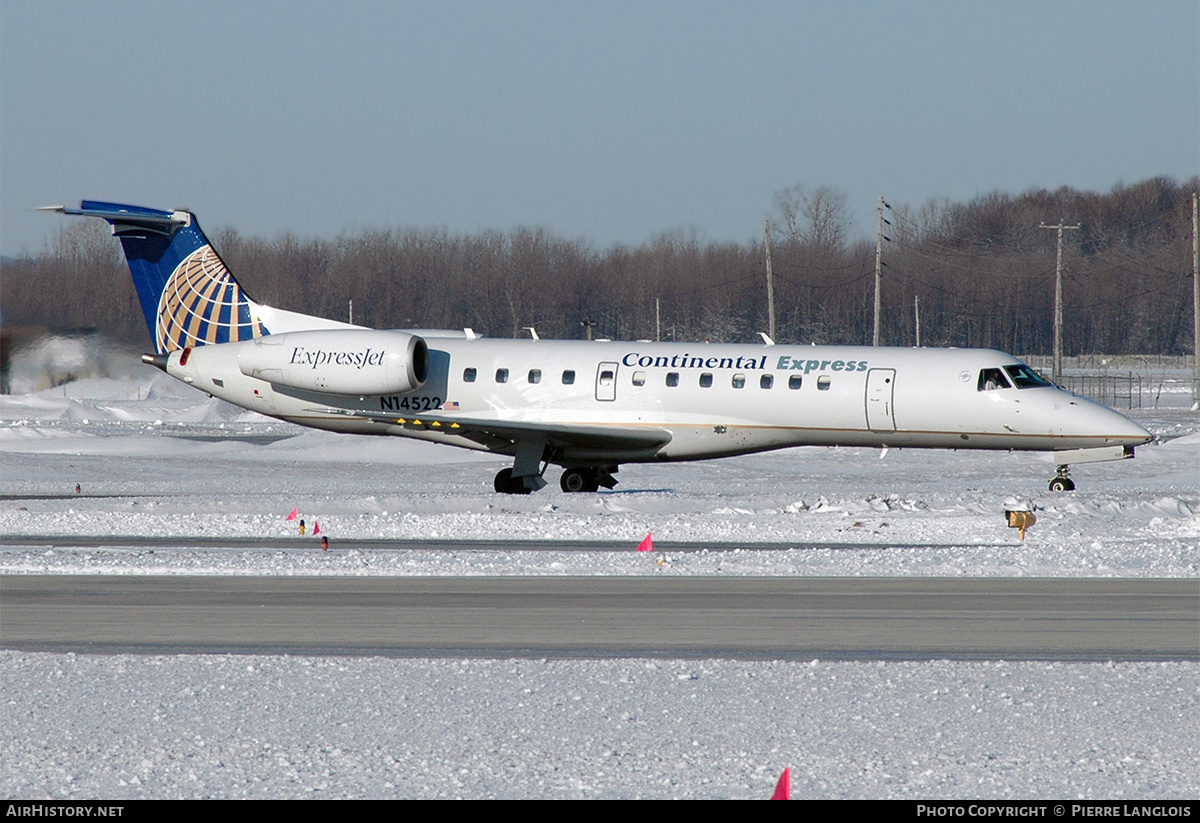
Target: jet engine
[(338, 361)]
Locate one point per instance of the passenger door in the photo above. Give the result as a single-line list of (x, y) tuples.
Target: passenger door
[(881, 385)]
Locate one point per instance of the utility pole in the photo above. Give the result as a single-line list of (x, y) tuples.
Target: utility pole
[(770, 285), (917, 314), (879, 238), (1058, 299), (1195, 305), (878, 269)]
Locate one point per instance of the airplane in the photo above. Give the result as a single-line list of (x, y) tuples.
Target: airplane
[(586, 406)]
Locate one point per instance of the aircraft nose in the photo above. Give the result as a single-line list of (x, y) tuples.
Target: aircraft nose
[(1118, 429)]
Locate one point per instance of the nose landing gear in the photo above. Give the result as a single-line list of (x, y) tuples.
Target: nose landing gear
[(1062, 481)]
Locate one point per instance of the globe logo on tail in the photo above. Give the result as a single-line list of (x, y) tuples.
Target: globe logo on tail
[(202, 304)]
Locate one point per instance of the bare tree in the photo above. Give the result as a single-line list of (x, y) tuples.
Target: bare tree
[(815, 217)]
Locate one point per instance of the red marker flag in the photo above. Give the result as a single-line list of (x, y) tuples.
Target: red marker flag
[(316, 528), (646, 545), (783, 789), (294, 514)]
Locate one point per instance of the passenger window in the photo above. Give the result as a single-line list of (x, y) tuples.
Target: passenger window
[(766, 381), (992, 379), (535, 375), (822, 384), (568, 377), (705, 380), (672, 379), (739, 381), (639, 378), (501, 375), (606, 378), (794, 381), (469, 375)]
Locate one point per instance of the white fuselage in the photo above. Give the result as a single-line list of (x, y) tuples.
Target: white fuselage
[(712, 399)]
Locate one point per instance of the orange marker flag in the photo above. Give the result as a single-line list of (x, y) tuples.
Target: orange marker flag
[(316, 528), (783, 789), (646, 545), (294, 514)]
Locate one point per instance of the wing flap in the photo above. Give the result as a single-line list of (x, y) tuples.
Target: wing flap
[(487, 430)]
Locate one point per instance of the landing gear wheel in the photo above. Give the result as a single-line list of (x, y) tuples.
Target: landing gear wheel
[(1062, 484), (579, 480), (1062, 480), (572, 481), (505, 483)]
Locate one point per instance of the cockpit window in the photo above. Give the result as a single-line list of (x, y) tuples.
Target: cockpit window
[(1025, 377), (992, 379)]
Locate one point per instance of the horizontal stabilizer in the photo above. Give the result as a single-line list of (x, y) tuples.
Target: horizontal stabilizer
[(124, 217)]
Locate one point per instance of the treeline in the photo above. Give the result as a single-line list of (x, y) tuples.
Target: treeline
[(981, 273)]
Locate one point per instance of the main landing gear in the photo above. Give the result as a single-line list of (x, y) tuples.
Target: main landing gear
[(1062, 481), (505, 483), (587, 478), (525, 476), (575, 479)]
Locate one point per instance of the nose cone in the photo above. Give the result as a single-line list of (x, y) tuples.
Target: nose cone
[(1116, 429), (1130, 433)]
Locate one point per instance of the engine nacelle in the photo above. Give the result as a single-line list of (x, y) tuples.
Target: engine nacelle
[(338, 361)]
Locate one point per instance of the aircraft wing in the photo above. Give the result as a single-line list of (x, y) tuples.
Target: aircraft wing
[(497, 433)]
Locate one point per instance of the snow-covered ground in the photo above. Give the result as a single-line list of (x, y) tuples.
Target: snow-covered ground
[(85, 726), (154, 458)]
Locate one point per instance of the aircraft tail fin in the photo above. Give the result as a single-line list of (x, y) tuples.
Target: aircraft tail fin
[(188, 296)]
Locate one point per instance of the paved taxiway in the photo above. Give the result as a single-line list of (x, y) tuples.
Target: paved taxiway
[(786, 618)]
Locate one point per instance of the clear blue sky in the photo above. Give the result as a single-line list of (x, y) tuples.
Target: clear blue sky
[(608, 121)]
